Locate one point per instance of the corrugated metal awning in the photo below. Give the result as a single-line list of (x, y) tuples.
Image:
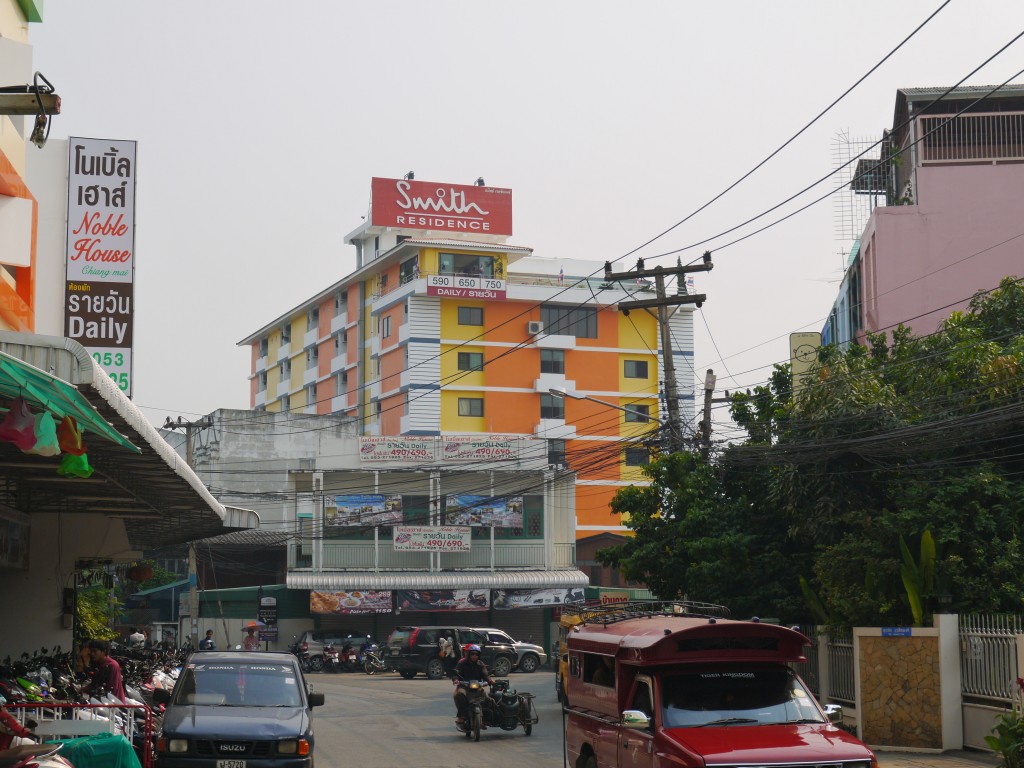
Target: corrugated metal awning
[(370, 581)]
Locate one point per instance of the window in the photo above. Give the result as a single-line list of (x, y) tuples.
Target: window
[(634, 369), (311, 395), (580, 322), (466, 264), (556, 452), (286, 334), (384, 280), (286, 403), (471, 361), (637, 457), (640, 414), (340, 384), (261, 385), (471, 315), (312, 318), (552, 407), (385, 326), (286, 369), (339, 344), (552, 361), (312, 357), (471, 406), (409, 270), (264, 345)]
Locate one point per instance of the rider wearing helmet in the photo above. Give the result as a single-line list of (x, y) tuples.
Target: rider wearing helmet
[(470, 667)]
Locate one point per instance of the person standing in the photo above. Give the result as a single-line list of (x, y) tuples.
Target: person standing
[(251, 642), (107, 678), (207, 643)]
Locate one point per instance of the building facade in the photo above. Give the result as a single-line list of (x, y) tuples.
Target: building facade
[(951, 224), (447, 329)]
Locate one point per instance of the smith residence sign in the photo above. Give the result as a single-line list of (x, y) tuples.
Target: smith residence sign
[(443, 207)]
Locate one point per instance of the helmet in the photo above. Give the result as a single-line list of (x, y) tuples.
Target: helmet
[(472, 648)]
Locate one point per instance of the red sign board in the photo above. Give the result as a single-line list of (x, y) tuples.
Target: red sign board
[(443, 207)]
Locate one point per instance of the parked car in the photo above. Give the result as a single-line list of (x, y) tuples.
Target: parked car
[(238, 710), (411, 650), (529, 657), (314, 641)]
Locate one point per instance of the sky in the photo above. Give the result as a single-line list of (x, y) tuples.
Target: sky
[(260, 124)]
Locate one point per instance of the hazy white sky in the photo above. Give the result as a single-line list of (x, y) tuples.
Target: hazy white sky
[(261, 123)]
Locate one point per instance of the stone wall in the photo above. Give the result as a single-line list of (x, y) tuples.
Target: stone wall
[(900, 692)]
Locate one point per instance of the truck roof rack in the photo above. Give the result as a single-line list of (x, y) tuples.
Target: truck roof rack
[(614, 612)]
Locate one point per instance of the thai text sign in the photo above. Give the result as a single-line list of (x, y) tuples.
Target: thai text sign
[(397, 449), (464, 287), (445, 207), (481, 448), (434, 538), (100, 272)]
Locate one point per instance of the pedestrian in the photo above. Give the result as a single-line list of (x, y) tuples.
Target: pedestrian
[(207, 643), (251, 642), (107, 678), (83, 659), (446, 650)]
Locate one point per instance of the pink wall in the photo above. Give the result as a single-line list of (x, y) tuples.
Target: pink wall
[(917, 259)]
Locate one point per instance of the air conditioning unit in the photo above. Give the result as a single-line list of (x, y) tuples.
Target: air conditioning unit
[(533, 327)]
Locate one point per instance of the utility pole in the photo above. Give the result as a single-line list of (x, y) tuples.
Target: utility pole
[(662, 303), (193, 574), (705, 424)]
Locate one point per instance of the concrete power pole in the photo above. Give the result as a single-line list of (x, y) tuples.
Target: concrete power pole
[(193, 575), (662, 303)]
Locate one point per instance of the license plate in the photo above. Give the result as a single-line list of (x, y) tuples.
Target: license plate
[(231, 764)]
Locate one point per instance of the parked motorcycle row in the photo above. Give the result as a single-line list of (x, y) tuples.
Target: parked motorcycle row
[(355, 654), (40, 693)]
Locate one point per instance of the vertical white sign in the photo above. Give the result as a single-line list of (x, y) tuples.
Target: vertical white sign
[(99, 298)]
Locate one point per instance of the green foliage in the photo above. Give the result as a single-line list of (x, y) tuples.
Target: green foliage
[(96, 611), (918, 577), (1007, 738), (160, 577)]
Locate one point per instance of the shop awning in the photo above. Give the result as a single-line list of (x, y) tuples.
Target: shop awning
[(138, 477), (329, 581)]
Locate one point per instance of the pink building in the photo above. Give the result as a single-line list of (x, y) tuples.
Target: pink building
[(952, 224)]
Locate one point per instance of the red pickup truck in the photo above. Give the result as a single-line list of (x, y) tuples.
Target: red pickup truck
[(665, 684)]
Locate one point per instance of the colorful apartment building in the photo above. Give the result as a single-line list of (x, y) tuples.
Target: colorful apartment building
[(950, 173), (445, 328)]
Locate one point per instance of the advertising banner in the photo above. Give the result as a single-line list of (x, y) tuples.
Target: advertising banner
[(507, 599), (364, 509), (435, 538), (481, 448), (464, 287), (484, 511), (407, 449), (99, 296), (350, 602), (443, 600), (445, 207), (267, 613)]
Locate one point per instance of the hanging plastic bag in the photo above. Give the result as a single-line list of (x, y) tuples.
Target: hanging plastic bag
[(45, 430), (74, 466), (70, 437), (18, 426)]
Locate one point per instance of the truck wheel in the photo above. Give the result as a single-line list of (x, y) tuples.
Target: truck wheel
[(407, 674), (502, 666), (435, 669), (529, 663)]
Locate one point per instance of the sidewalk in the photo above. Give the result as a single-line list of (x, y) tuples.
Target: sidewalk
[(953, 759)]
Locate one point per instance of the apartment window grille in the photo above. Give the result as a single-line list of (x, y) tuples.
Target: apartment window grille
[(552, 361), (471, 315), (471, 406), (634, 369), (552, 407), (471, 361)]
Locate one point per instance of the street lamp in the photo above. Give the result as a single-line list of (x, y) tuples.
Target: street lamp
[(626, 409)]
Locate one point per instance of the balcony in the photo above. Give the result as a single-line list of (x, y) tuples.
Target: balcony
[(553, 381), (339, 403), (338, 322), (554, 429), (339, 361), (990, 137), (310, 375), (261, 363), (284, 351), (311, 337), (261, 398)]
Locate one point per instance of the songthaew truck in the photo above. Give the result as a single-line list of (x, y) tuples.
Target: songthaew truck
[(652, 685)]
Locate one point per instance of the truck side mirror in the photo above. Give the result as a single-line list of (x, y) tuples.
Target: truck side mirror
[(316, 699), (635, 720)]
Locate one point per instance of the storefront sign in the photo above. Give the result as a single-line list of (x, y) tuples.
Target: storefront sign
[(507, 599), (608, 597), (397, 449), (353, 601), (481, 448), (446, 207), (267, 613), (367, 509), (443, 600), (436, 538), (464, 287), (484, 511), (100, 273)]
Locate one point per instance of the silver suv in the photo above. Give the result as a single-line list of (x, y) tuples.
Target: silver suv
[(528, 656)]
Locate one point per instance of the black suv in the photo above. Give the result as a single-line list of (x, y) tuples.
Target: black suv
[(414, 649)]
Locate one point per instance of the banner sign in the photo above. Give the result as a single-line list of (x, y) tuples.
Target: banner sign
[(443, 600), (435, 538), (412, 204), (99, 295), (481, 448), (397, 449), (507, 599), (484, 511), (611, 597), (267, 613), (364, 509), (464, 287), (354, 601)]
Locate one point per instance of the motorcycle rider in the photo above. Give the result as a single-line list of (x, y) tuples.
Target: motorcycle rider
[(469, 668)]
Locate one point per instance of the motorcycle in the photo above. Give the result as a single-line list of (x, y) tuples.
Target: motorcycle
[(301, 652), (332, 659), (501, 708), (373, 662), (348, 658)]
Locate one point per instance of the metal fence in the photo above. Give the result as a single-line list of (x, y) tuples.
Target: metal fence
[(841, 685), (808, 670), (988, 656)]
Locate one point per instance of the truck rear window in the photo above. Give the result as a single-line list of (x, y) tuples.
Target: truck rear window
[(735, 695)]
